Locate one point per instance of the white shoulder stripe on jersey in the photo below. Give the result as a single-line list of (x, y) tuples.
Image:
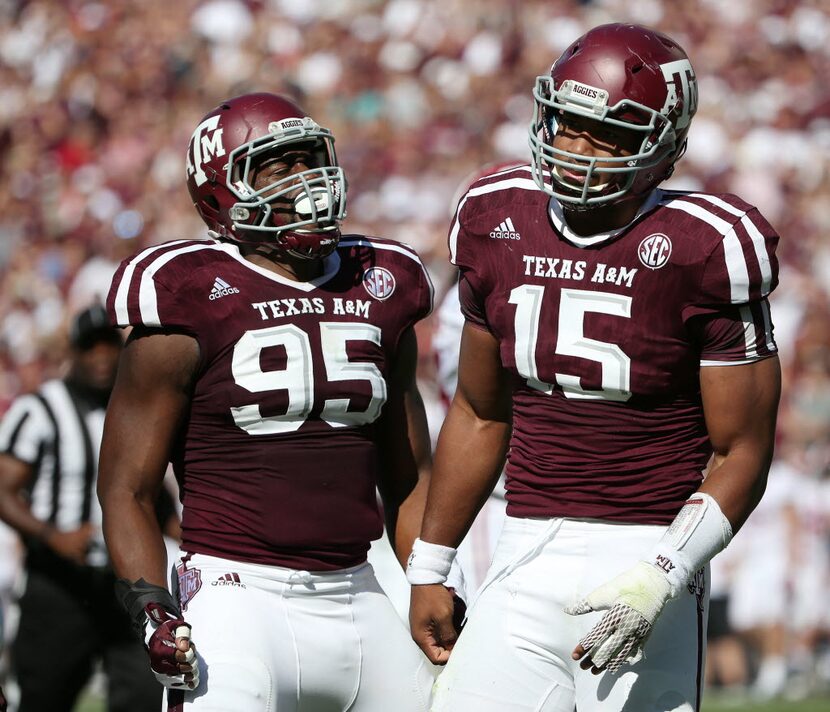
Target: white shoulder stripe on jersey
[(750, 350), (521, 183), (771, 345), (456, 226), (122, 293), (720, 202), (736, 265), (758, 243), (147, 298), (510, 169), (761, 253), (751, 337), (404, 250)]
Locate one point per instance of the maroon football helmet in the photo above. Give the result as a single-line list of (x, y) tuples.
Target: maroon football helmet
[(625, 76), (227, 145)]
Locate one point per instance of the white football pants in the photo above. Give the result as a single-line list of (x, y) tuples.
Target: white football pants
[(514, 655), (278, 640)]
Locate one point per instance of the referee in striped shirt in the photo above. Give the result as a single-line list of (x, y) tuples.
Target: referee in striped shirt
[(69, 616)]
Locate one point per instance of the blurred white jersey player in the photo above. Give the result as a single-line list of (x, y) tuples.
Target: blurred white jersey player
[(476, 551)]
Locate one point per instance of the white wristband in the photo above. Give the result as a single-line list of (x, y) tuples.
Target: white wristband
[(698, 532), (455, 580), (429, 563)]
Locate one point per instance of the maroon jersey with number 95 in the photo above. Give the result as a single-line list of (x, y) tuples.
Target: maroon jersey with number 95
[(277, 461), (605, 336)]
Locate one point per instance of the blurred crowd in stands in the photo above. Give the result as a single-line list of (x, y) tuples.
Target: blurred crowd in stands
[(98, 99)]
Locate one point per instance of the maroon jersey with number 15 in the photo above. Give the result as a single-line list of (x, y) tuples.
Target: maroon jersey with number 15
[(605, 337), (277, 461)]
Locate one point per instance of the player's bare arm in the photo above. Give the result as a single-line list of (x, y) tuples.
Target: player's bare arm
[(148, 404), (740, 404), (468, 461), (15, 475), (405, 451), (473, 440)]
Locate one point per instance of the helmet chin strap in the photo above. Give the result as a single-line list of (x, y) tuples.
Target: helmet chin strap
[(325, 250)]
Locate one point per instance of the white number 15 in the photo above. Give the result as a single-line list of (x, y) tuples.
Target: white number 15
[(571, 341)]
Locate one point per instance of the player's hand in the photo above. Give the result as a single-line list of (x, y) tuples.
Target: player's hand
[(173, 657), (633, 601), (72, 545), (431, 611)]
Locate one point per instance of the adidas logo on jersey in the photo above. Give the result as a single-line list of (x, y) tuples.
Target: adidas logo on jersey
[(505, 231), (221, 289)]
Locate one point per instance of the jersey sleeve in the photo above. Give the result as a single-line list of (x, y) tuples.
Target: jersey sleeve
[(471, 288), (426, 293), (145, 291), (472, 303), (25, 429), (742, 267), (735, 334), (423, 291), (730, 316)]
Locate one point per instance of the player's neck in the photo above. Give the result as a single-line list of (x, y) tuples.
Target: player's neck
[(284, 265), (602, 219)]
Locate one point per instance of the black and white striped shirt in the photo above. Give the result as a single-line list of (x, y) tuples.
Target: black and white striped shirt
[(58, 432)]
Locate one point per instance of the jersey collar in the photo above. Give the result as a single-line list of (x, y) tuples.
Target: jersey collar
[(331, 265), (557, 217)]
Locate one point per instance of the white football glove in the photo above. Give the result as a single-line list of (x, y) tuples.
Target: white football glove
[(633, 600), (636, 597)]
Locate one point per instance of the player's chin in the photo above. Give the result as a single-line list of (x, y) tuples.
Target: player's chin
[(597, 187)]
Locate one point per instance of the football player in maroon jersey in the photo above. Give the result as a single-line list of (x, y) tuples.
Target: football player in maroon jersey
[(617, 345), (274, 365)]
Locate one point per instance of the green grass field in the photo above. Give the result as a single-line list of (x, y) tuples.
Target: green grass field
[(712, 704), (816, 705)]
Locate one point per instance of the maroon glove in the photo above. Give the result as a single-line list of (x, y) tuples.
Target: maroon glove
[(160, 634), (159, 623)]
